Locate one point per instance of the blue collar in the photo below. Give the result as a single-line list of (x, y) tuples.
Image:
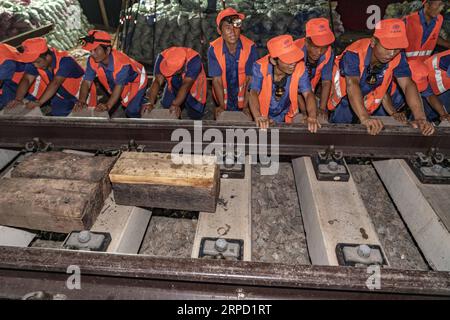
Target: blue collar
[(423, 20), (238, 47), (110, 66)]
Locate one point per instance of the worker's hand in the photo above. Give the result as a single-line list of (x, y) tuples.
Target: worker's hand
[(445, 117), (79, 105), (424, 126), (322, 114), (374, 126), (175, 110), (14, 103), (102, 107), (219, 110), (263, 122), (32, 104), (400, 117), (247, 112), (147, 107), (313, 124)]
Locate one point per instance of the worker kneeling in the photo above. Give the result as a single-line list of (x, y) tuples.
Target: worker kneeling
[(182, 71), (122, 77), (277, 80), (434, 106), (52, 75), (363, 73)]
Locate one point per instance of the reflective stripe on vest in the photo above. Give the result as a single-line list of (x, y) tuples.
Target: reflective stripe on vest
[(414, 31), (339, 86), (242, 77), (438, 78), (265, 96), (199, 87)]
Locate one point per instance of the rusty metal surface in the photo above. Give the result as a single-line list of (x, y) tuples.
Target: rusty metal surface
[(37, 32), (294, 140), (187, 278)]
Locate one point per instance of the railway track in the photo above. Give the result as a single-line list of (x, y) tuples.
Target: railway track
[(140, 276)]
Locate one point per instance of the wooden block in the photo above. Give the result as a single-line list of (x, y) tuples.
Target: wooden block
[(54, 205), (160, 114), (232, 219), (11, 237), (62, 165), (89, 113), (21, 110), (127, 226), (233, 116), (424, 208), (154, 180), (333, 213)]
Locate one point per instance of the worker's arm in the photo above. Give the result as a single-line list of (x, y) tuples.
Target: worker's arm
[(390, 109), (49, 93), (261, 121), (414, 102), (217, 86), (310, 99), (437, 106), (24, 86), (443, 43), (246, 109), (84, 93), (324, 96), (181, 96), (374, 126), (152, 92), (113, 99)]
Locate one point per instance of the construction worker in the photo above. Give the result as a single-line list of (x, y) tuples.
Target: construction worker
[(277, 80), (319, 59), (423, 28), (123, 78), (394, 100), (439, 77), (54, 76), (11, 72), (363, 73), (182, 71), (230, 62)]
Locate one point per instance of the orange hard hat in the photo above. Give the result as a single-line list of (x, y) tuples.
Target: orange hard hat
[(96, 38), (228, 12), (319, 31), (32, 49), (174, 60), (283, 47), (392, 34)]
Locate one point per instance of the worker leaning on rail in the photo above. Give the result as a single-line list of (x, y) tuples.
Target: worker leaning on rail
[(434, 106), (439, 76), (363, 73), (51, 75), (277, 80), (182, 71), (11, 72), (423, 28), (122, 77), (230, 62), (319, 59)]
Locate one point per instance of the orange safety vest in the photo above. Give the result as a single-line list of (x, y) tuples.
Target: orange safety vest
[(414, 31), (121, 60), (439, 80), (199, 88), (265, 96), (339, 86), (243, 58), (71, 85), (315, 81), (12, 55)]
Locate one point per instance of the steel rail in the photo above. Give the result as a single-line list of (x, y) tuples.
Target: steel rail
[(294, 140), (107, 276)]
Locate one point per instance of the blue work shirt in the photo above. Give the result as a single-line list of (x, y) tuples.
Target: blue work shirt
[(68, 68), (426, 27), (327, 71), (125, 76), (232, 70), (192, 70), (278, 108), (349, 67), (444, 64), (9, 67)]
